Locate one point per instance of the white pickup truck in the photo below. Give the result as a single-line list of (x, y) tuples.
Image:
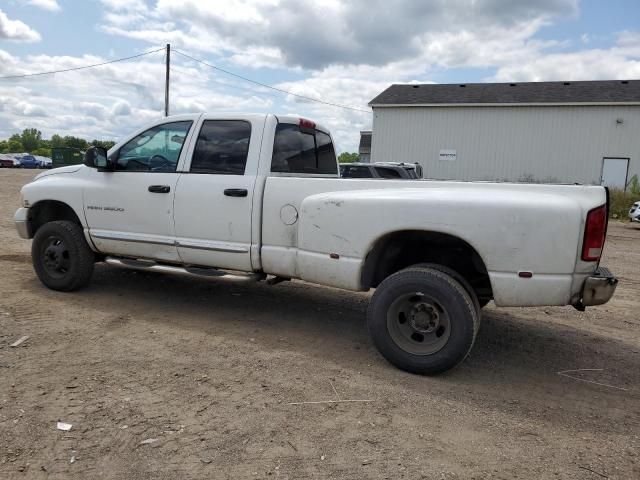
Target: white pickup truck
[(261, 194)]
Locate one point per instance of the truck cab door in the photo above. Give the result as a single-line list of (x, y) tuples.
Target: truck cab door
[(129, 210), (214, 202)]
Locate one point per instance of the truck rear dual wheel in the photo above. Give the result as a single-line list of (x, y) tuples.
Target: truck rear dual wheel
[(458, 278), (423, 320), (61, 256)]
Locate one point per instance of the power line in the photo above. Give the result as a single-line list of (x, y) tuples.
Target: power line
[(311, 99), (80, 68), (242, 88)]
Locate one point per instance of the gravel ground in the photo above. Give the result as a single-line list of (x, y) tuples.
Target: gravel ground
[(175, 377)]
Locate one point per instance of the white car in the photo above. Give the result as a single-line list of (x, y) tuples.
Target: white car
[(44, 162), (634, 212), (261, 194)]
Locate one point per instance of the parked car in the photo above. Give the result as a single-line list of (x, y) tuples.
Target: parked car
[(634, 212), (378, 170), (206, 194), (44, 162), (7, 161), (29, 161), (411, 168)]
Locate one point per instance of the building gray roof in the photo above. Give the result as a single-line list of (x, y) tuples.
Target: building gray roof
[(600, 91)]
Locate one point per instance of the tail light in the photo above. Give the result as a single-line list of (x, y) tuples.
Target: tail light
[(594, 234)]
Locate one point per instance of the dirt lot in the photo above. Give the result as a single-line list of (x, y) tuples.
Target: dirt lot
[(209, 368)]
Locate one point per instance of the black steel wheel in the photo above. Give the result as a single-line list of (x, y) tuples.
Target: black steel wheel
[(418, 323), (423, 320), (61, 256)]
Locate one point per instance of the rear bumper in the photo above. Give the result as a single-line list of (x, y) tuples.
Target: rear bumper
[(597, 288), (21, 220)]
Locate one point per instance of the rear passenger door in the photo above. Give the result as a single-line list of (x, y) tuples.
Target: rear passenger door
[(214, 195)]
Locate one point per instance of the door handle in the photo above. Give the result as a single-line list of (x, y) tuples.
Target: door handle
[(236, 192), (159, 188)]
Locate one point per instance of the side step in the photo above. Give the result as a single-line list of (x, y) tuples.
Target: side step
[(151, 266)]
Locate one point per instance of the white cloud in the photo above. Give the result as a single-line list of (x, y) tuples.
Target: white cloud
[(125, 5), (110, 101), (314, 35), (340, 52), (121, 108), (16, 30), (51, 5), (621, 61)]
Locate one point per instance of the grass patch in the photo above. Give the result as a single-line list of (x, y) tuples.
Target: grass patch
[(620, 203)]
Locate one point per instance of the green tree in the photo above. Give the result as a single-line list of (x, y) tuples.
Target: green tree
[(14, 144), (106, 144), (30, 139), (3, 146), (56, 141), (346, 157), (43, 152), (75, 142)]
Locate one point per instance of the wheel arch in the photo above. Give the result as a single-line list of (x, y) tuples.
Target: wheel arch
[(396, 250), (45, 211)]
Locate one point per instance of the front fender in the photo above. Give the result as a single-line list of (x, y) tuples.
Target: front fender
[(58, 186)]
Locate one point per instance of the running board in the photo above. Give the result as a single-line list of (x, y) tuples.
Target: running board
[(151, 266)]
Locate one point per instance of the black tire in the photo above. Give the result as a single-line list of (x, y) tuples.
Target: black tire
[(483, 302), (458, 278), (436, 329), (61, 256)]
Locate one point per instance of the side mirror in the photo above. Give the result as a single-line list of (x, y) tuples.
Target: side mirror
[(96, 157)]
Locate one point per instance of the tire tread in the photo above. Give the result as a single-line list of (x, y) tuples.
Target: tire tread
[(85, 256), (420, 273)]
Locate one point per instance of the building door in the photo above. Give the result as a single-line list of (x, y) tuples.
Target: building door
[(614, 172)]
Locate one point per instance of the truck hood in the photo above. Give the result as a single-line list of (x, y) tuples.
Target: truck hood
[(59, 170)]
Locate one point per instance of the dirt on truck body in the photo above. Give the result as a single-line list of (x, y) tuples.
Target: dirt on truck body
[(176, 377)]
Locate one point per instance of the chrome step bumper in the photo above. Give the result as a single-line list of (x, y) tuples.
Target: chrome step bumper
[(597, 289)]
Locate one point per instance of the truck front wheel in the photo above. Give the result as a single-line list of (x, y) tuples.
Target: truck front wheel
[(422, 320), (61, 256)]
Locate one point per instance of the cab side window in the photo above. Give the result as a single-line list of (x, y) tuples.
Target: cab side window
[(154, 150), (222, 147)]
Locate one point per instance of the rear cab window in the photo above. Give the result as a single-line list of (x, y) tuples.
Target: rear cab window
[(303, 151)]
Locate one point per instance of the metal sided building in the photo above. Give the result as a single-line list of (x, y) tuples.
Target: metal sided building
[(364, 148), (553, 132)]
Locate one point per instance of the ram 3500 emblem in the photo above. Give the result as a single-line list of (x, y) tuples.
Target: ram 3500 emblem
[(106, 209)]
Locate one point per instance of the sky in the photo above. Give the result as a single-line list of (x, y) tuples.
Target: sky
[(343, 52)]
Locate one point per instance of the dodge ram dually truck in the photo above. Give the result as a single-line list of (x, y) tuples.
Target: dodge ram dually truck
[(261, 194)]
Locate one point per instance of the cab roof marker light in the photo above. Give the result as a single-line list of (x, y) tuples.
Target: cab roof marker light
[(306, 123)]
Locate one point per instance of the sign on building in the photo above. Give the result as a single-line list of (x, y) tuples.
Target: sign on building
[(447, 155)]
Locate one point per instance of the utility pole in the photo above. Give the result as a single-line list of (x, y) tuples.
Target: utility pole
[(166, 83)]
